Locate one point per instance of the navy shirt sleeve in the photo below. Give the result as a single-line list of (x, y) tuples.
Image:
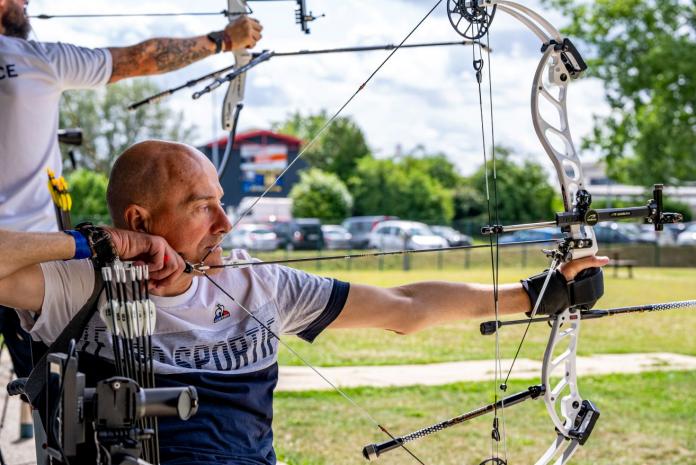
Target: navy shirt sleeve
[(337, 300)]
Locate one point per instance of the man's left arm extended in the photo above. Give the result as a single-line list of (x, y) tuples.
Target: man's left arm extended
[(412, 307)]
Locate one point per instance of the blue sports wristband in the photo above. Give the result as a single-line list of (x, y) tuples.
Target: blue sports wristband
[(82, 249)]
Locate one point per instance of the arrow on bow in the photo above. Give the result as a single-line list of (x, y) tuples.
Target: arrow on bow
[(302, 16), (260, 57)]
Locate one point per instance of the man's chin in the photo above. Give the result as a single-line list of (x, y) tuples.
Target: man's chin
[(214, 258)]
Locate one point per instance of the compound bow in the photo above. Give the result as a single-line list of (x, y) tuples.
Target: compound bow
[(572, 416)]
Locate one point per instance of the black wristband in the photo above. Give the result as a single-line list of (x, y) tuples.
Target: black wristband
[(556, 297), (218, 38), (587, 288), (99, 239), (583, 291)]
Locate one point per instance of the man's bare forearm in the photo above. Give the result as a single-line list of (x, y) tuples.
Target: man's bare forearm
[(20, 249), (413, 307), (157, 56), (434, 303)]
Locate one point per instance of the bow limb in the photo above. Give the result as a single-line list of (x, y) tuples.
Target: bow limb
[(234, 98), (572, 416)]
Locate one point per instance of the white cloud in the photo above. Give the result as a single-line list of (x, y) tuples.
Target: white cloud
[(421, 97)]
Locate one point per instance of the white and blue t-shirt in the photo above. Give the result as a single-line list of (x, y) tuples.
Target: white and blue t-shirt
[(204, 339)]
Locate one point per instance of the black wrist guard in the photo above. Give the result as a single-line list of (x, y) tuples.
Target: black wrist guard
[(99, 239), (584, 291), (218, 38)]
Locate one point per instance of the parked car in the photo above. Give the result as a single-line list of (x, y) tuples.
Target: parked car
[(300, 233), (336, 237), (622, 233), (453, 237), (360, 227), (541, 234), (398, 235), (251, 237), (676, 229), (688, 236), (648, 234)]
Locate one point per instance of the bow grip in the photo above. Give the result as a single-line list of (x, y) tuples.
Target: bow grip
[(587, 288)]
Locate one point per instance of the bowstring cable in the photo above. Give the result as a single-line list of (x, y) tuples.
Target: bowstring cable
[(497, 221), (494, 245)]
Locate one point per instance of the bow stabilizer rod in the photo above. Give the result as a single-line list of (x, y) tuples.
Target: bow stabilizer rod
[(302, 16), (488, 328), (373, 451)]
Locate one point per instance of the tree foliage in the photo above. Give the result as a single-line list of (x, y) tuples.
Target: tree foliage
[(339, 147), (321, 195), (419, 186), (524, 193), (109, 128), (88, 191), (438, 166), (388, 187), (643, 51)]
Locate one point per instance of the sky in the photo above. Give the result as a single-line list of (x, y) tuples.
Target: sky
[(422, 97)]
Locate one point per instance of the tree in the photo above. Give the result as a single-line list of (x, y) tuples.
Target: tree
[(339, 147), (88, 191), (437, 166), (388, 187), (109, 127), (321, 195), (643, 51), (523, 191)]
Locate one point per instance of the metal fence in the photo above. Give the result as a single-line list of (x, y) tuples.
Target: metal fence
[(639, 255)]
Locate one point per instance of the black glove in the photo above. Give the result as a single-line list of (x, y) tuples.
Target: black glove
[(584, 291)]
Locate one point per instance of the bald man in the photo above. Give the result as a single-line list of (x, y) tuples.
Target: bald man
[(164, 199)]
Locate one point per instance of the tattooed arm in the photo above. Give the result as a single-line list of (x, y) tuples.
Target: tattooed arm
[(156, 56)]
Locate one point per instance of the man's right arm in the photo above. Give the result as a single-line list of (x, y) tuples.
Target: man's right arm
[(161, 55), (21, 279)]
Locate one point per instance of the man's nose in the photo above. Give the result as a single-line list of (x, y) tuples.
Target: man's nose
[(222, 224)]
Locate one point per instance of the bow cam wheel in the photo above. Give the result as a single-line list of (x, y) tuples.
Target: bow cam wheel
[(469, 18)]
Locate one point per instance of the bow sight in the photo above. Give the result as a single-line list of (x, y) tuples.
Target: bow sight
[(582, 215)]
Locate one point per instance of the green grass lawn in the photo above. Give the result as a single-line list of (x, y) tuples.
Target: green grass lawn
[(670, 331), (645, 419)]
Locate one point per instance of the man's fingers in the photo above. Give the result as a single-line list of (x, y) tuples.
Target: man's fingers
[(172, 267), (572, 268)]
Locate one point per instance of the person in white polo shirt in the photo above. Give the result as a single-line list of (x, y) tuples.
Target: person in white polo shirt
[(33, 76)]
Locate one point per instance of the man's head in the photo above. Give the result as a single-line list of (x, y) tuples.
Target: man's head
[(14, 21), (170, 190)]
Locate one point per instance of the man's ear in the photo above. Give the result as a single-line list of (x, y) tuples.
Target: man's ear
[(137, 218)]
